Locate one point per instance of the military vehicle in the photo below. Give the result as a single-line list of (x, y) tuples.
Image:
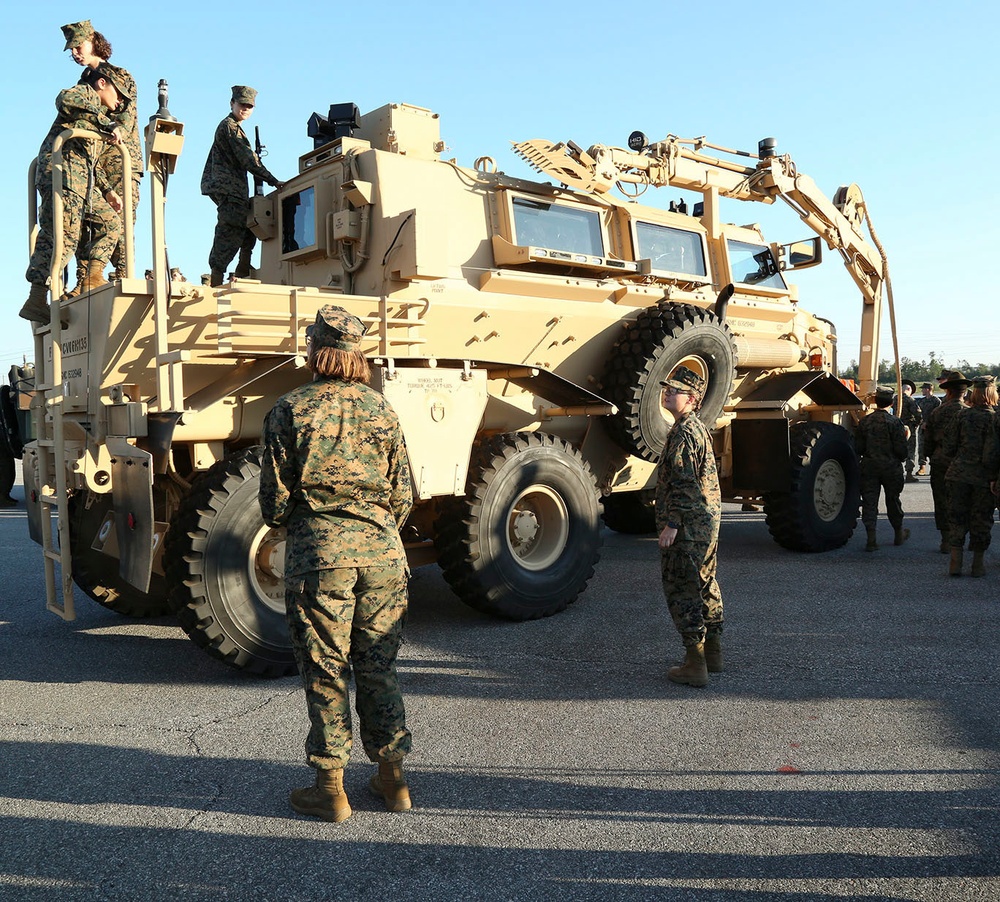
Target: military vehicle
[(520, 328)]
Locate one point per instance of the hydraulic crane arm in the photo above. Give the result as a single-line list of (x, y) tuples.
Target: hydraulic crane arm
[(680, 163)]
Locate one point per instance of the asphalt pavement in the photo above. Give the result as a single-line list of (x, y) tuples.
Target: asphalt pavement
[(849, 751)]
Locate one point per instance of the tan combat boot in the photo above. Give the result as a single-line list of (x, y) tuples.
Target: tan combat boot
[(36, 308), (955, 566), (694, 670), (326, 799), (389, 783), (978, 567), (713, 652), (81, 277), (901, 535), (872, 544), (95, 276)]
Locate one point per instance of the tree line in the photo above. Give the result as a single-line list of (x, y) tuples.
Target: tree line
[(923, 370)]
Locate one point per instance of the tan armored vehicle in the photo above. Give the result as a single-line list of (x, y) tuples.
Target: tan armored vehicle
[(519, 328)]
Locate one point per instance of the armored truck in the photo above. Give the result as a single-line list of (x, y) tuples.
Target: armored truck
[(520, 329)]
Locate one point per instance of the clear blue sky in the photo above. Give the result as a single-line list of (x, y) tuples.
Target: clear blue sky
[(899, 98)]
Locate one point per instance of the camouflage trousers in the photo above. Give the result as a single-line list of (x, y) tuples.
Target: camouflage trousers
[(231, 232), (970, 511), (94, 228), (939, 489), (911, 451), (691, 589), (876, 476), (338, 619), (75, 208)]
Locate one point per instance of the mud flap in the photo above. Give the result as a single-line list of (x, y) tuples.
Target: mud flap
[(132, 490), (32, 495)]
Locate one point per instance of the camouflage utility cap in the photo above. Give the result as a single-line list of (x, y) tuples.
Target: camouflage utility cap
[(243, 94), (123, 82), (687, 380), (926, 385), (884, 397), (335, 328), (76, 33)]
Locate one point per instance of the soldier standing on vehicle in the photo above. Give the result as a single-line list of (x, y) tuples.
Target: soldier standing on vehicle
[(910, 416), (928, 403), (225, 181), (334, 473), (89, 48), (688, 515), (85, 105), (880, 440), (938, 425), (971, 443)]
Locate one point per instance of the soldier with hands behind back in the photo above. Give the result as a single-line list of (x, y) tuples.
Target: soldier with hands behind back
[(880, 441), (928, 402), (224, 179), (334, 473), (688, 516)]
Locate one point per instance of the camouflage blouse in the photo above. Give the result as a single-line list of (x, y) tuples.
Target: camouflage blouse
[(687, 483), (334, 472)]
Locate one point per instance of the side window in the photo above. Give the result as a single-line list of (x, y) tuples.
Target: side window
[(754, 264), (540, 224), (669, 249), (298, 221)]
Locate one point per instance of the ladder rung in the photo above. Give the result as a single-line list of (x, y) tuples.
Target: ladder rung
[(45, 387), (49, 499), (46, 443), (53, 555)]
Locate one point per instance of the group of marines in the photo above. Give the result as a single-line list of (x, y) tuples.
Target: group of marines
[(960, 438), (94, 177)]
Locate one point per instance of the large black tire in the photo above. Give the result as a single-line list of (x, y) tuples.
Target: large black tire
[(524, 540), (229, 604), (97, 573), (661, 338), (631, 513), (820, 511)]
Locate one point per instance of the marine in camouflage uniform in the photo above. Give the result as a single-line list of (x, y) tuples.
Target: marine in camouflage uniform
[(334, 473), (111, 171), (937, 426), (910, 416), (972, 444), (109, 167), (688, 513), (880, 441), (78, 107), (927, 403), (225, 181)]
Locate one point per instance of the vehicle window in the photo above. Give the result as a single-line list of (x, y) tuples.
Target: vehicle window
[(538, 224), (754, 264), (298, 221), (673, 250)]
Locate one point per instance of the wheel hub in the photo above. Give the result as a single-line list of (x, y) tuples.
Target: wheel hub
[(537, 527), (829, 490), (267, 567)]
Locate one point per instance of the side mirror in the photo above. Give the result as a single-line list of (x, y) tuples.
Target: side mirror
[(801, 254)]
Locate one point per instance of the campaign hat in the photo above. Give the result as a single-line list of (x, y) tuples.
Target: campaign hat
[(954, 379)]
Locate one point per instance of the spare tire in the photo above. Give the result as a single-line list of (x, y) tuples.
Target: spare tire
[(658, 340)]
